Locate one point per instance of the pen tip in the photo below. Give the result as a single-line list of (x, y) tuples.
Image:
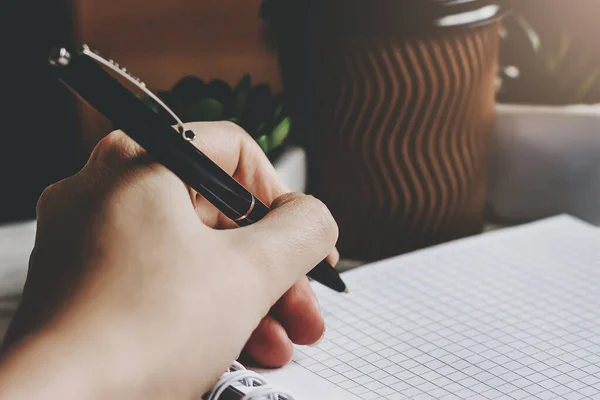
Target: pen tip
[(346, 290)]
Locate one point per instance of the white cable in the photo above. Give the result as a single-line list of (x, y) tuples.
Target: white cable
[(267, 392), (238, 376)]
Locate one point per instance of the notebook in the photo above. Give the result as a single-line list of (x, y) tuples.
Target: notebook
[(511, 314)]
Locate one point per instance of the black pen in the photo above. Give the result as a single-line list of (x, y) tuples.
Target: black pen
[(85, 72)]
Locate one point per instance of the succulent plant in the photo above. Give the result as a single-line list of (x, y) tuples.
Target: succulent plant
[(535, 72), (254, 108)]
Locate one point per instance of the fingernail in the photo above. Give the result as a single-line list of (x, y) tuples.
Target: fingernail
[(321, 338)]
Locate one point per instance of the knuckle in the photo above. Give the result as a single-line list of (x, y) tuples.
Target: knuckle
[(312, 210), (115, 148), (233, 128), (285, 199), (110, 142), (239, 135), (47, 196), (64, 194), (321, 217), (296, 299)]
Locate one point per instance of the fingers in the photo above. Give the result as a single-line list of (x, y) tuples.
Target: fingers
[(334, 257), (299, 313), (238, 154), (295, 318), (118, 159), (115, 153), (269, 345), (295, 236), (113, 156), (226, 143)]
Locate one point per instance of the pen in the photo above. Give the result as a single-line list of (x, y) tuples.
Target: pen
[(84, 72)]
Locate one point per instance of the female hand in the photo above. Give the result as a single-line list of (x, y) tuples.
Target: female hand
[(135, 276)]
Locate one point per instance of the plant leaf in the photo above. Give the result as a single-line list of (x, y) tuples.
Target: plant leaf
[(280, 133), (259, 108), (279, 106), (278, 112), (261, 128), (205, 109), (554, 61), (587, 85), (165, 97), (263, 142), (241, 95), (219, 90), (150, 103), (244, 84), (188, 89)]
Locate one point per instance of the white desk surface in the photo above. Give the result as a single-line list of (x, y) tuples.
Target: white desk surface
[(16, 243)]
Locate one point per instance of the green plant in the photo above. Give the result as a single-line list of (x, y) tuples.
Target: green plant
[(536, 71), (254, 108)]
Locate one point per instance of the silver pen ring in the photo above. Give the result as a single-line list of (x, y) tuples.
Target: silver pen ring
[(243, 217)]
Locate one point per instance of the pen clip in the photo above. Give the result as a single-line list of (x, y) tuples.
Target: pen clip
[(62, 58)]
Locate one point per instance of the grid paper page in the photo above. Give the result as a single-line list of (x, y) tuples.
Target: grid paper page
[(509, 315)]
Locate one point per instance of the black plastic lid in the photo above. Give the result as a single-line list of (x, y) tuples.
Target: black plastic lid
[(385, 16)]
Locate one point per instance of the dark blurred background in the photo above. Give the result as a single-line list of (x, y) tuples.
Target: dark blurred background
[(47, 136)]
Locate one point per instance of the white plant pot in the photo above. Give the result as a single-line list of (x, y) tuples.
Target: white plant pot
[(291, 169), (545, 161)]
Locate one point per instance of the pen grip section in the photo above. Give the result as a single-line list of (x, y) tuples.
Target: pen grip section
[(258, 212)]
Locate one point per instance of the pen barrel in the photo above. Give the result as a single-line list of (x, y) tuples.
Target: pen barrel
[(163, 143), (256, 212), (166, 146)]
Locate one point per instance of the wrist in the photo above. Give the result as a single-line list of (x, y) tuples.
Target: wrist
[(41, 366), (66, 362)]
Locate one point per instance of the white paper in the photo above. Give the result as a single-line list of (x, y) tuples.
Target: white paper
[(512, 314), (16, 243)]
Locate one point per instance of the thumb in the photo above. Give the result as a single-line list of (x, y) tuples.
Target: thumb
[(291, 240)]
